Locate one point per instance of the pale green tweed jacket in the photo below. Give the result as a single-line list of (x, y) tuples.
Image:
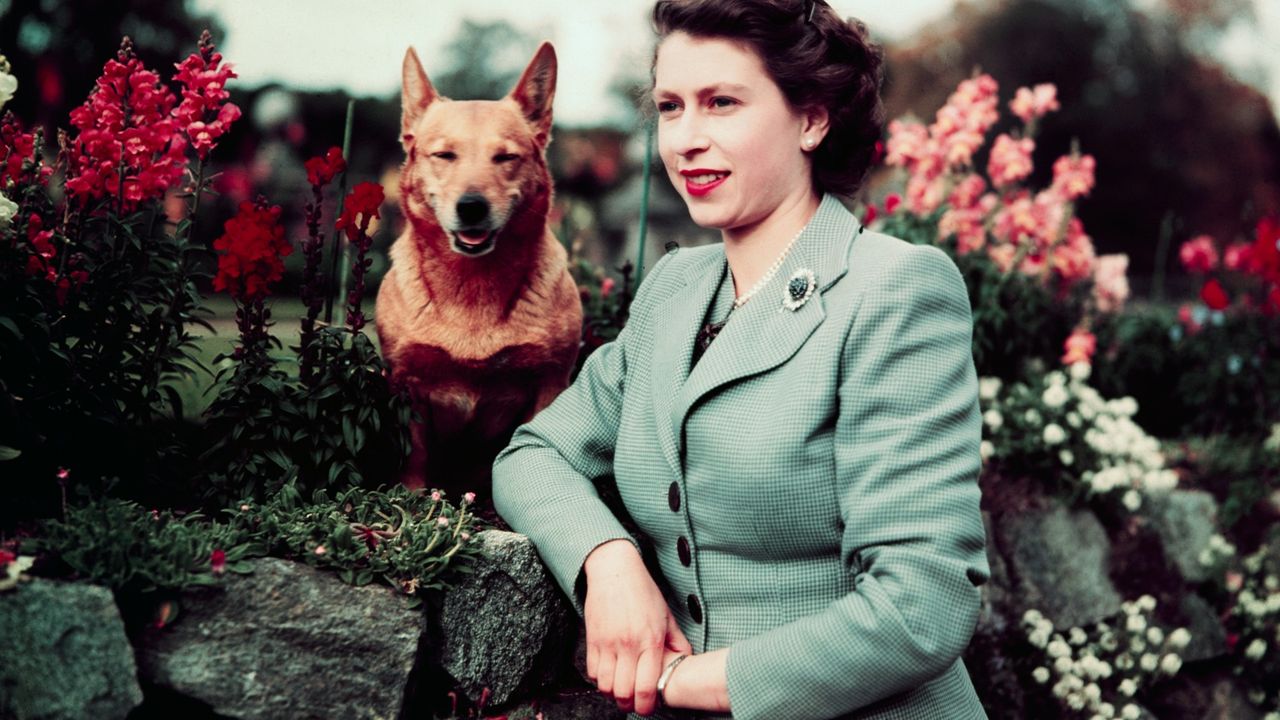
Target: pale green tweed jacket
[(819, 465)]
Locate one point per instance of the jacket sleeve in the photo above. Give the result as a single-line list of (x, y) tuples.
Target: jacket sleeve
[(907, 463), (543, 480)]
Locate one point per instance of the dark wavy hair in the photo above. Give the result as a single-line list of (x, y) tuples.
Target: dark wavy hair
[(815, 58)]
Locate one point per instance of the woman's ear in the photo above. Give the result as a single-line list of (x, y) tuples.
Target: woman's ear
[(816, 123)]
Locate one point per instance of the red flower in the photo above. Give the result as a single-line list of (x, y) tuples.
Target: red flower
[(1265, 258), (218, 561), (870, 216), (204, 113), (892, 202), (125, 124), (360, 207), (1214, 296), (1080, 347), (252, 245), (1199, 254), (6, 557), (63, 473), (322, 170)]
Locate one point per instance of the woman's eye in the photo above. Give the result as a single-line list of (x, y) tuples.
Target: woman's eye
[(445, 155), (667, 106), (505, 157), (723, 102)]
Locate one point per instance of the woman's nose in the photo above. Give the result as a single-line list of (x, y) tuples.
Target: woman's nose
[(689, 136)]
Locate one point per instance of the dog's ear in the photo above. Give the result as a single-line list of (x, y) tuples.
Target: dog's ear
[(536, 90), (416, 94)]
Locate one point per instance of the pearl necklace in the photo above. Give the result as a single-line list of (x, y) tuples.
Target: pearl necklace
[(768, 274)]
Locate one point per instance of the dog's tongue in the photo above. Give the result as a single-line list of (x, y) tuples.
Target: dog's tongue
[(472, 238)]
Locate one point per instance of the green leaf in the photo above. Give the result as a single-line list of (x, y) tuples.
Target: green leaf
[(8, 453)]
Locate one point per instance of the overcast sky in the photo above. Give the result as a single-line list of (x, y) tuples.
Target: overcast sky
[(358, 46)]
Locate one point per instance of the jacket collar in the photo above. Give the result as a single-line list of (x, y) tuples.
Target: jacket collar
[(759, 336)]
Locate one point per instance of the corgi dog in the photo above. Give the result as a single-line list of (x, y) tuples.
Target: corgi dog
[(478, 317)]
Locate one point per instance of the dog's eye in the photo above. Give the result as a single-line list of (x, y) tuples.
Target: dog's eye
[(445, 155), (505, 157)]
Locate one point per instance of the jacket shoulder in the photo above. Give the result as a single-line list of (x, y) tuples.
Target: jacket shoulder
[(874, 253)]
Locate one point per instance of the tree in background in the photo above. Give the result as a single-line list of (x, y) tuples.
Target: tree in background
[(53, 46)]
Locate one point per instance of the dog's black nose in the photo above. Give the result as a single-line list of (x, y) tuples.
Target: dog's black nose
[(473, 209)]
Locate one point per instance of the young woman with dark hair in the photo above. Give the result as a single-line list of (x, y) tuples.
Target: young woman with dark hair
[(790, 416)]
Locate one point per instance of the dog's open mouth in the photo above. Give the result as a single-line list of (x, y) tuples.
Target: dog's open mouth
[(473, 242)]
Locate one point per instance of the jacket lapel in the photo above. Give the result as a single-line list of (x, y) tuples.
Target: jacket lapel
[(678, 319), (760, 335)]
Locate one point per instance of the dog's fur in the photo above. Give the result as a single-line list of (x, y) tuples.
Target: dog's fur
[(478, 316)]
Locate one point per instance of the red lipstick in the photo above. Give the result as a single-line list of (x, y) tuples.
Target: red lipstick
[(701, 189)]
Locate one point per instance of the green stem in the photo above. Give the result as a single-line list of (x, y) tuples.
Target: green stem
[(339, 252), (644, 201)]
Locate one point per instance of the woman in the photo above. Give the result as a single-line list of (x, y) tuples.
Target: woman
[(790, 417)]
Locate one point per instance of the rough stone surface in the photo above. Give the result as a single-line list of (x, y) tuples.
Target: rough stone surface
[(287, 641), (1208, 638), (1216, 695), (64, 653), (1057, 559), (1185, 520), (506, 627)]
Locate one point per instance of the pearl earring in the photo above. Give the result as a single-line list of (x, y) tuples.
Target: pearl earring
[(808, 142)]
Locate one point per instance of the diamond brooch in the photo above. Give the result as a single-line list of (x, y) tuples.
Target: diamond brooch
[(799, 289)]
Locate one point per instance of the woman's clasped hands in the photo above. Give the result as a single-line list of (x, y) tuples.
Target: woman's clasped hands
[(631, 633)]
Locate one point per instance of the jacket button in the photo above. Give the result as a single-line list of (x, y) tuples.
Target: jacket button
[(682, 547), (695, 609), (673, 497)]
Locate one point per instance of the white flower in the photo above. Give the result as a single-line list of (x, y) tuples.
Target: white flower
[(1080, 371), (1077, 636), (1038, 637), (1032, 416), (1075, 701), (8, 209), (988, 388), (1073, 419), (1058, 648), (1032, 617), (1092, 691), (1055, 396), (986, 450), (1132, 500), (1063, 665), (1147, 602), (1148, 661), (1056, 378), (1180, 638), (1128, 687), (1054, 434), (1256, 649), (1130, 712), (1066, 457), (1106, 710), (1272, 443), (1170, 664), (1155, 635), (993, 419), (1135, 623), (8, 86), (1041, 675)]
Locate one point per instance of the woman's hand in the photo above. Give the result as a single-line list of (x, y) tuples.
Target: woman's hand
[(629, 627)]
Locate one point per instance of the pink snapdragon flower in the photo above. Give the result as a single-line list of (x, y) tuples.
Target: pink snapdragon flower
[(1199, 254), (1111, 282), (1010, 160), (1073, 175), (204, 113), (1034, 103)]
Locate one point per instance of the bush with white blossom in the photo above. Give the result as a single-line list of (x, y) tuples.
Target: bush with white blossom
[(1059, 429), (1252, 621), (1098, 672)]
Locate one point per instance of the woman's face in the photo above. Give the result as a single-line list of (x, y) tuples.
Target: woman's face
[(731, 143)]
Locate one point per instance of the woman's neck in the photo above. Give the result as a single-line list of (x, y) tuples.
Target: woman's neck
[(751, 249)]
